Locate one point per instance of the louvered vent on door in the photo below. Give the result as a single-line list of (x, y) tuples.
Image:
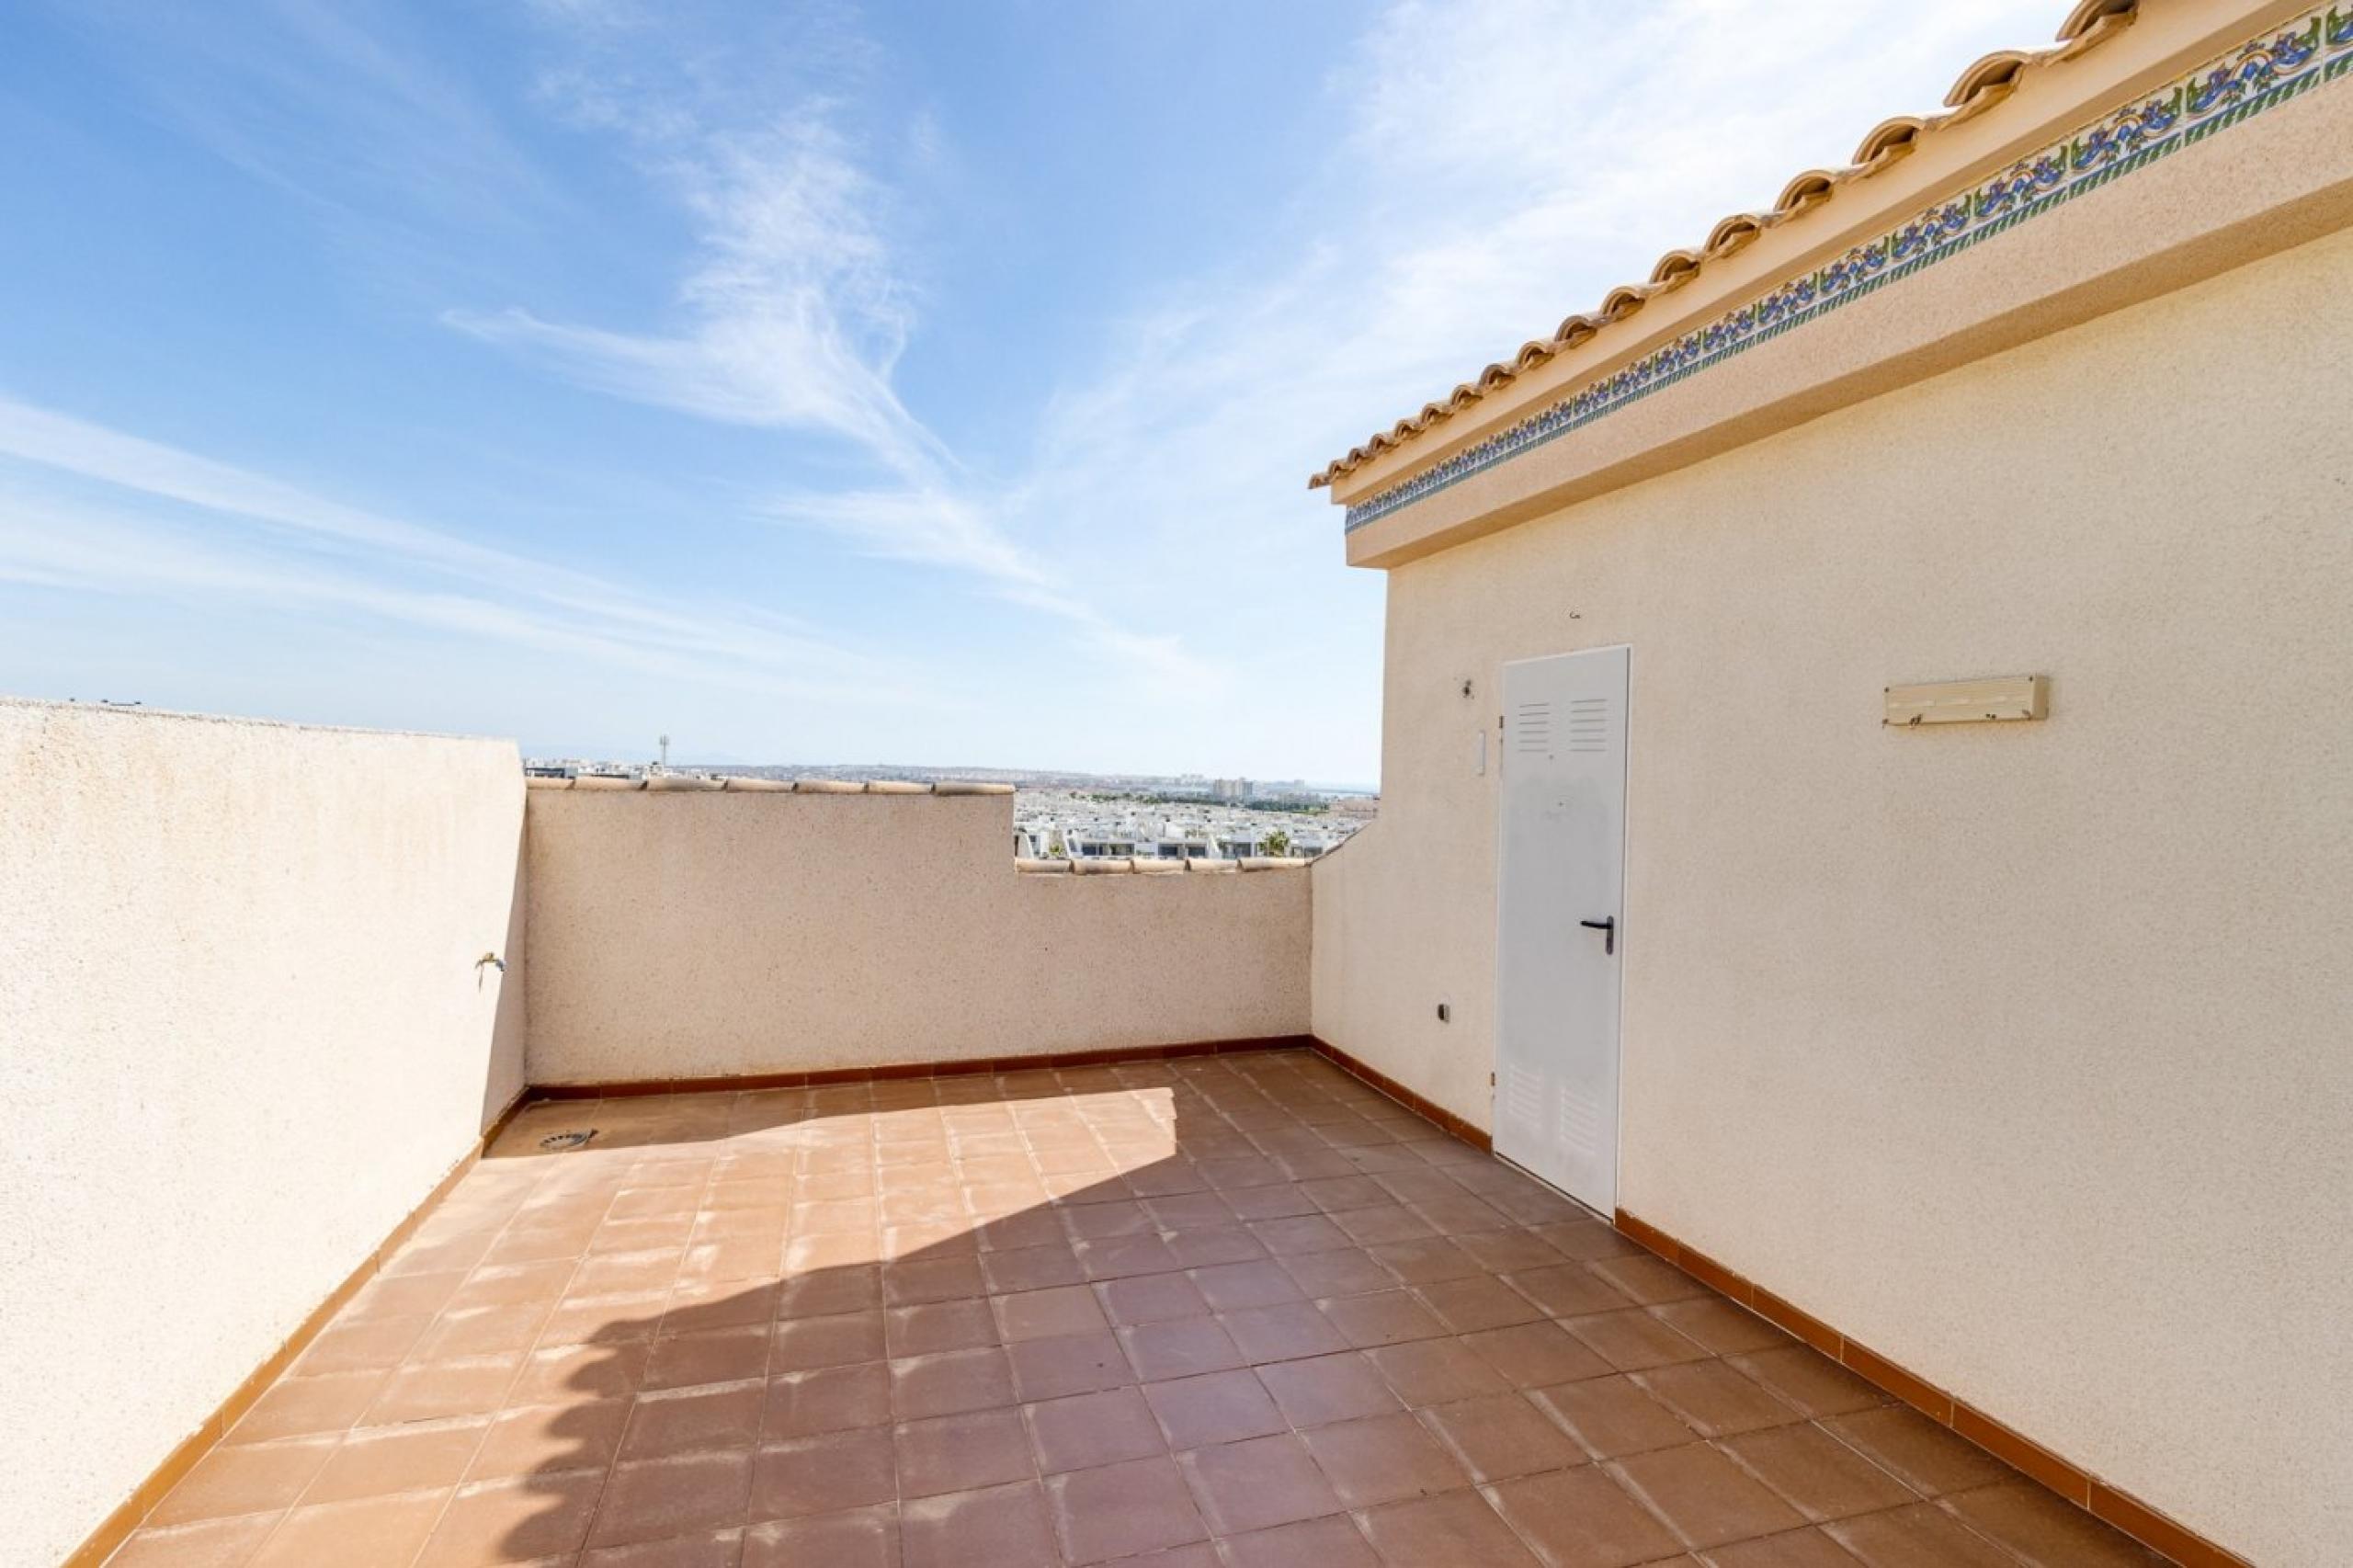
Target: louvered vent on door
[(1589, 723), (1523, 1099), (1580, 1121), (1533, 728)]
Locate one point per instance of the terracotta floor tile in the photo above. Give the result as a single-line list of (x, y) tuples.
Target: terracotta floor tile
[(830, 1294), (963, 1453), (1231, 1286), (707, 1549), (402, 1295), (1324, 1388), (1218, 1407), (1821, 1476), (1004, 1527), (514, 1521), (1120, 1257), (604, 1320), (1702, 1495), (1151, 1298), (939, 1325), (1382, 1459), (244, 1478), (1633, 1340), (1054, 1313), (368, 1532), (550, 1437), (1721, 1327), (1476, 1302), (1536, 1355), (1501, 1436), (1180, 1348), (1257, 1483), (1334, 1542), (1085, 1429), (854, 1537), (1507, 1252), (933, 1279), (1569, 1289), (302, 1408), (1807, 1548), (801, 1345), (622, 1273), (1613, 1416), (1424, 1261), (377, 1461), (370, 1344), (1346, 1271), (1123, 1509), (654, 1499), (820, 1474), (1383, 1317), (668, 1422), (214, 1543), (1929, 1458), (1716, 1399), (828, 1399), (2044, 1530), (1649, 1280), (1582, 1519), (951, 1382), (1282, 1332), (1460, 1529), (1078, 1363), (1436, 1372), (580, 1371), (1810, 1381), (1919, 1535)]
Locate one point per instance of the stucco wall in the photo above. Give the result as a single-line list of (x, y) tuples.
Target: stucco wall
[(2018, 1052), (689, 934), (241, 1038)]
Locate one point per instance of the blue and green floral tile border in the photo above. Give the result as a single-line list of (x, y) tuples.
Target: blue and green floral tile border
[(2235, 85)]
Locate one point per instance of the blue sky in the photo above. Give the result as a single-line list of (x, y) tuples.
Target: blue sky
[(926, 384)]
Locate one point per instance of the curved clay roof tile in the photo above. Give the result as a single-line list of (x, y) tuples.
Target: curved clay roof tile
[(1575, 329), (1809, 187), (2089, 13), (1731, 234), (1622, 301), (1675, 268), (1890, 136), (1983, 84), (1999, 70)]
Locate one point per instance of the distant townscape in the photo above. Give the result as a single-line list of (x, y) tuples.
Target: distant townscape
[(1077, 816)]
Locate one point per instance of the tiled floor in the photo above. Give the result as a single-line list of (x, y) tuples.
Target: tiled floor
[(1233, 1311)]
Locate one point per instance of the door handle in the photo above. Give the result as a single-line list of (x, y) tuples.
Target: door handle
[(1608, 929)]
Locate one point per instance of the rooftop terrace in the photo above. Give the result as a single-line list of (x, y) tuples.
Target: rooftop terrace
[(1234, 1309)]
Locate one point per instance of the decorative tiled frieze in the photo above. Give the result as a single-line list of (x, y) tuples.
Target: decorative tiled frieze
[(2239, 83)]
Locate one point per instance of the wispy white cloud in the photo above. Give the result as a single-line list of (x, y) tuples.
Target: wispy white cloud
[(793, 315), (149, 518)]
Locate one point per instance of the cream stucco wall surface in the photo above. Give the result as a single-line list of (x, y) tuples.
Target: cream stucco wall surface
[(694, 934), (241, 1036), (2021, 1052)]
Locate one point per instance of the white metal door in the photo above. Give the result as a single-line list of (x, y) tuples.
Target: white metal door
[(1561, 875)]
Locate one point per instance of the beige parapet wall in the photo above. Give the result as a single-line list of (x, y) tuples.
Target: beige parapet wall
[(2021, 1052), (241, 1036), (695, 933)]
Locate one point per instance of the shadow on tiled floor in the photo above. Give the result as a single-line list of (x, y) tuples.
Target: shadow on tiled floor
[(1233, 1311)]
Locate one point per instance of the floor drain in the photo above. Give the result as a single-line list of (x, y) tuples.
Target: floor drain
[(567, 1140)]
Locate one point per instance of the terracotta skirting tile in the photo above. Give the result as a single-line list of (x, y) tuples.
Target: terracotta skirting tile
[(1917, 1392), (2022, 1454), (1802, 1323), (1986, 1435), (2151, 1528), (896, 1071)]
